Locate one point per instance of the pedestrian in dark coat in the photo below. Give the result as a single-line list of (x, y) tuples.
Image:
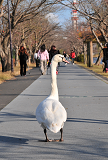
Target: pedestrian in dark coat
[(105, 57), (52, 53), (64, 53), (23, 55)]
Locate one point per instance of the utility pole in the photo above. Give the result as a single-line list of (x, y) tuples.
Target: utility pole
[(10, 37)]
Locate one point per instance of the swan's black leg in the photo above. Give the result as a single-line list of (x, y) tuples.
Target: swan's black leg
[(61, 130), (47, 140), (45, 132)]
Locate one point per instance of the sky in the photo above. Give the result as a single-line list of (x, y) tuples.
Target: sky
[(64, 15), (60, 16)]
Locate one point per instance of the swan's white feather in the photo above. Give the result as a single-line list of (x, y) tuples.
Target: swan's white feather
[(50, 113)]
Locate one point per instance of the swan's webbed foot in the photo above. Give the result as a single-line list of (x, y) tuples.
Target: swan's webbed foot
[(48, 140), (61, 140), (58, 140)]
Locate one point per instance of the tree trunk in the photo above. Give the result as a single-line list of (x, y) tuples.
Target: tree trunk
[(4, 64), (3, 58), (1, 1), (6, 58), (85, 52), (99, 58), (16, 56), (89, 54)]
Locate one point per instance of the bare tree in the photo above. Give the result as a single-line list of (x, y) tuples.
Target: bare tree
[(95, 12), (21, 11), (34, 32), (1, 2)]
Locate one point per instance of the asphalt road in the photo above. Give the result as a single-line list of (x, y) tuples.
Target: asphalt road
[(12, 88), (85, 97)]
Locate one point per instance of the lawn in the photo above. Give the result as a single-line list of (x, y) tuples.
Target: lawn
[(94, 68)]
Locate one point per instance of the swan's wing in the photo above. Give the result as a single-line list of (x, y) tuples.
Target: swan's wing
[(59, 116), (51, 114), (44, 113)]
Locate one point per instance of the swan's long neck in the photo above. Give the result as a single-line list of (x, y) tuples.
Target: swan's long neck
[(54, 89)]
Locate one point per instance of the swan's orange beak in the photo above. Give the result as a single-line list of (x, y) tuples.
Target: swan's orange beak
[(64, 60)]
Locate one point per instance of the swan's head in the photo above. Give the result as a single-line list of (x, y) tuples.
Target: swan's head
[(59, 58)]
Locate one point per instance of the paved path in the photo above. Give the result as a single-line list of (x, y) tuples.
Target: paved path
[(85, 98), (12, 88)]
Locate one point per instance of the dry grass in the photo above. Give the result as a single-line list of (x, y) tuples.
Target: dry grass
[(95, 68), (10, 75)]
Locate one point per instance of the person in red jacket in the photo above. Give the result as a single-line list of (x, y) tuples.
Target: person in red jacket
[(72, 55)]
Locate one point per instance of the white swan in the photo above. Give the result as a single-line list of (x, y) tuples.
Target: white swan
[(50, 113)]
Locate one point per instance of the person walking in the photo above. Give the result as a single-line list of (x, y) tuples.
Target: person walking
[(72, 55), (44, 58), (36, 58), (23, 55), (105, 57), (52, 53), (64, 53)]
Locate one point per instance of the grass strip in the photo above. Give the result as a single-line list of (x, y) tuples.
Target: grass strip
[(95, 68), (10, 75)]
